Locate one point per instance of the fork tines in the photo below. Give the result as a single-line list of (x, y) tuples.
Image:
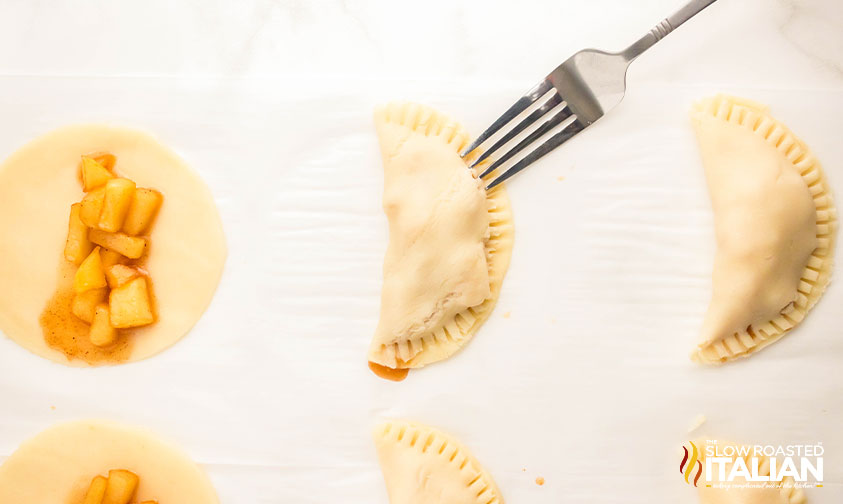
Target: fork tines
[(549, 101)]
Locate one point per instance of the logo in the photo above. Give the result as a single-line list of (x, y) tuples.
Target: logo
[(691, 463), (723, 465)]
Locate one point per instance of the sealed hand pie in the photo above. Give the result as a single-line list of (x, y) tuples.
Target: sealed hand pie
[(449, 240), (774, 221), (424, 466), (94, 462)]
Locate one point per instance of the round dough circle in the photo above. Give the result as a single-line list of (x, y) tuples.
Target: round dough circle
[(39, 182), (57, 465)]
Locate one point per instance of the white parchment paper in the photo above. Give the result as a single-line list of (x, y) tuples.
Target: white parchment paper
[(586, 383)]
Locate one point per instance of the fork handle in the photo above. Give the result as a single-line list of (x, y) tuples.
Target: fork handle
[(662, 29)]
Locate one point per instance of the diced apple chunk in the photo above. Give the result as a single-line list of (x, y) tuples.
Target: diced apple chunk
[(94, 174), (104, 158), (110, 258), (102, 334), (142, 212), (119, 274), (77, 247), (130, 305), (118, 197), (121, 487), (91, 207), (85, 303), (90, 274), (96, 491), (129, 246)]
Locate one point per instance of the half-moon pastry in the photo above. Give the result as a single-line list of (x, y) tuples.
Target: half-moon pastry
[(422, 465), (185, 256), (774, 222), (450, 241), (738, 490), (59, 465)]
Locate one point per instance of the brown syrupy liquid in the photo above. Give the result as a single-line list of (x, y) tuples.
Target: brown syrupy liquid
[(388, 373), (69, 335)]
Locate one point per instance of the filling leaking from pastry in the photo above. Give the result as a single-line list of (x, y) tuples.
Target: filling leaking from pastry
[(774, 222), (422, 465), (450, 241)]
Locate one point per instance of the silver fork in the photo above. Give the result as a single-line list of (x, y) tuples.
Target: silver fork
[(580, 91)]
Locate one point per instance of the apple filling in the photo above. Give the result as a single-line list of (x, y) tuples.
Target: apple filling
[(118, 488), (107, 242)]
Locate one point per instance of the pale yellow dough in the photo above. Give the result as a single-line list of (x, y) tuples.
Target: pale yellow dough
[(38, 183), (774, 221), (422, 465), (57, 465), (785, 494), (449, 240)]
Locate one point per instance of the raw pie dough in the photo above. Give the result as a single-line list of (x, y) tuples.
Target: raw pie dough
[(39, 182), (774, 220), (424, 466), (57, 465), (449, 240), (786, 494)]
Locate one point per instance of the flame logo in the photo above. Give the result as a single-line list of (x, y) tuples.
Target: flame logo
[(690, 461)]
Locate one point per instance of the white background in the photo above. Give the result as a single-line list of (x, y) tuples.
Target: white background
[(586, 384)]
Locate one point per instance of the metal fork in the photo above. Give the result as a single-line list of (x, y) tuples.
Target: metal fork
[(580, 91)]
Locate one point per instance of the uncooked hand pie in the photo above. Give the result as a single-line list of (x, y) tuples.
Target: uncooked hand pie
[(96, 462), (739, 491), (133, 268), (449, 240), (774, 222), (422, 465)]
